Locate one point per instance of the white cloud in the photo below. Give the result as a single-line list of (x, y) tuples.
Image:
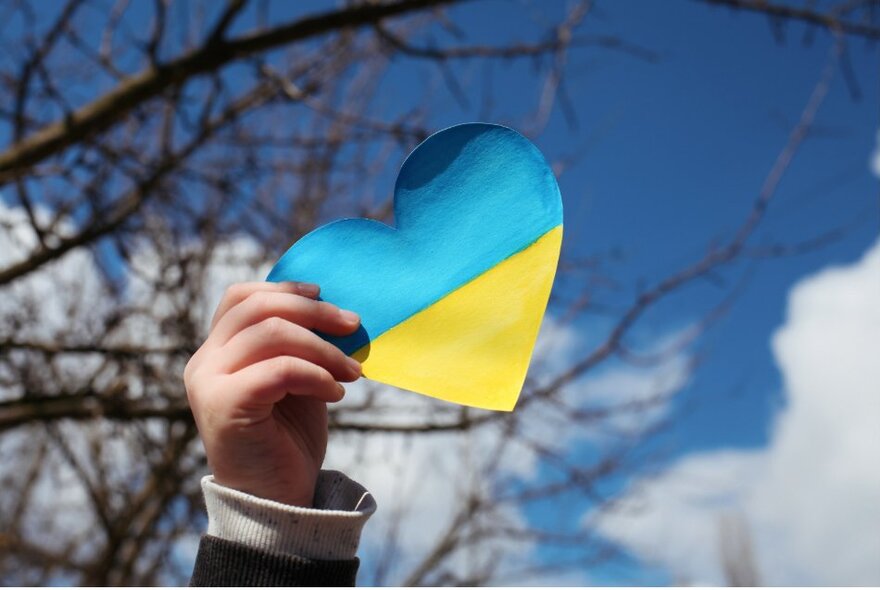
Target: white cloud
[(811, 499)]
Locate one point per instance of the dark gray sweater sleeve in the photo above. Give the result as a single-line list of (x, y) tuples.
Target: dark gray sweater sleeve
[(228, 563)]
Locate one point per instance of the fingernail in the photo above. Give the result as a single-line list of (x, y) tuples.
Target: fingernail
[(349, 317), (340, 388), (309, 289), (355, 366)]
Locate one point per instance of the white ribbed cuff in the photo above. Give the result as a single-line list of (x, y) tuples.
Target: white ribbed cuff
[(331, 530)]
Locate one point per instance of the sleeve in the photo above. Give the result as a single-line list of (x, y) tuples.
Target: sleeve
[(256, 542)]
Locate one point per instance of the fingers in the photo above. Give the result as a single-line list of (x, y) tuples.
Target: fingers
[(238, 292), (308, 313), (268, 381), (274, 337), (262, 343)]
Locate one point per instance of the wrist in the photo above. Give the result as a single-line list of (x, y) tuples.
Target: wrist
[(299, 493)]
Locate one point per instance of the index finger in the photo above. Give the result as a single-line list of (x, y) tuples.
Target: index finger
[(308, 313), (238, 292)]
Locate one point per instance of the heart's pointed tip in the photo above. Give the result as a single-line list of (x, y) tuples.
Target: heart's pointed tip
[(503, 407)]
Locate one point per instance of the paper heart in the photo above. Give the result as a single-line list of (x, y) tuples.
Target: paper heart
[(452, 298)]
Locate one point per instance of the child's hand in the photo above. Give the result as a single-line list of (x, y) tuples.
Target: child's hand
[(259, 384)]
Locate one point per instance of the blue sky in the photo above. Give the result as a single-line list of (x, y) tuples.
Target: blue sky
[(678, 151), (671, 156), (667, 156)]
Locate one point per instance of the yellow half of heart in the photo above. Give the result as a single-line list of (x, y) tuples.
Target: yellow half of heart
[(473, 346)]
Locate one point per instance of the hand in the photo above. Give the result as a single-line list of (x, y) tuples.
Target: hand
[(259, 386)]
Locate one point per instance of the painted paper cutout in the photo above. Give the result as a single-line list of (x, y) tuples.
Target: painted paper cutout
[(451, 298)]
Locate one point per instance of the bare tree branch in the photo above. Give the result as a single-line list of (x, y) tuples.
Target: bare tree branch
[(100, 114), (807, 14)]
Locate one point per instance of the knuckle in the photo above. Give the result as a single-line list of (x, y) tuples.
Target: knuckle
[(313, 373), (288, 368), (332, 353), (322, 380), (327, 309), (326, 312), (273, 327), (189, 372), (191, 386), (259, 301), (236, 291), (306, 311)]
